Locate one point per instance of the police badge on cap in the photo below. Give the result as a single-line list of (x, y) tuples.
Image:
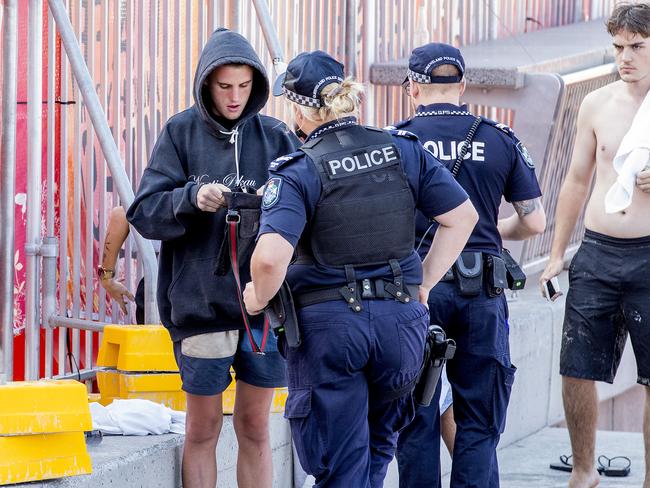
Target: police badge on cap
[(306, 76)]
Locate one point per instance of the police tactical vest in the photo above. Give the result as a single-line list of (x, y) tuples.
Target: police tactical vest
[(366, 212)]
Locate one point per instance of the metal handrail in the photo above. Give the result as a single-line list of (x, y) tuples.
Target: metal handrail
[(536, 251)]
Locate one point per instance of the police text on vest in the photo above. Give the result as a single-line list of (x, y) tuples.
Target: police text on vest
[(362, 162)]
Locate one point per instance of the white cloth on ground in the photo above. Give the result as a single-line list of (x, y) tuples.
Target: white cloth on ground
[(136, 417), (632, 156)]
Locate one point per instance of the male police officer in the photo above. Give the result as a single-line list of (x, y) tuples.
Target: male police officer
[(471, 308), (348, 200)]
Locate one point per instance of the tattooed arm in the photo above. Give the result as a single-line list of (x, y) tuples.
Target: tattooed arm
[(528, 221), (117, 231)]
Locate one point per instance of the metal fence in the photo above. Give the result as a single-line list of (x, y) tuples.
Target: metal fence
[(576, 86), (141, 55)]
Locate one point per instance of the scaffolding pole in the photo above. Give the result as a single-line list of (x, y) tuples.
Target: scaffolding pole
[(270, 35), (34, 189), (8, 186)]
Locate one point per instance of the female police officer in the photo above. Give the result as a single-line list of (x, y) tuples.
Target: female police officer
[(345, 202)]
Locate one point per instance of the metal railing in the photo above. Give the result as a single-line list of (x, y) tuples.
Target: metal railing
[(104, 138), (576, 86), (141, 56), (401, 25)]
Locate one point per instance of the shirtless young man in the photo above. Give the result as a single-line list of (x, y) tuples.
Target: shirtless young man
[(609, 284)]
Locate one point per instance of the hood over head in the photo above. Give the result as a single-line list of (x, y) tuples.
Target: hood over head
[(227, 47)]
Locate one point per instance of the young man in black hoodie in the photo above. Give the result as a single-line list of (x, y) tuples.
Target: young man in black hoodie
[(215, 146)]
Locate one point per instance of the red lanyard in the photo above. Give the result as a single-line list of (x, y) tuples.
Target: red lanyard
[(233, 219)]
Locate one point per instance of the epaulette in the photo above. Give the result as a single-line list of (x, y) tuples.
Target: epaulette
[(502, 127), (403, 133), (398, 125), (518, 145), (284, 160)]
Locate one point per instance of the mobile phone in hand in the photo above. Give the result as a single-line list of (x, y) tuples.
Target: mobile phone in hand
[(553, 291)]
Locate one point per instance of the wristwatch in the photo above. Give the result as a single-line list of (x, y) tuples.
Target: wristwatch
[(104, 273)]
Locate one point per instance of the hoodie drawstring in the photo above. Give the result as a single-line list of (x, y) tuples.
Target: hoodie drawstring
[(234, 135)]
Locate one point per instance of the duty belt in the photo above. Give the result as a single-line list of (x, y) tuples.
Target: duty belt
[(367, 289), (475, 271)]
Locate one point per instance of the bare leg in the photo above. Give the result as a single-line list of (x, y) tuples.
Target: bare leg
[(202, 427), (581, 410), (251, 421), (646, 437), (448, 429)]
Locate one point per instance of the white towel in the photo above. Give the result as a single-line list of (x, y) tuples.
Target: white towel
[(136, 417), (632, 157)]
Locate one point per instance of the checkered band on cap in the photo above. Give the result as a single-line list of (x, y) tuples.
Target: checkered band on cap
[(418, 77), (302, 99)]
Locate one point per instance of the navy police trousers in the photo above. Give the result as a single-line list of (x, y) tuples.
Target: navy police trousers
[(343, 431), (481, 377)]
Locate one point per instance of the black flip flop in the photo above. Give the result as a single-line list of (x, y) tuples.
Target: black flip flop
[(604, 466), (563, 465)]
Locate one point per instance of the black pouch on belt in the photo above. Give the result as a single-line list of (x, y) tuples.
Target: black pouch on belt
[(496, 275), (515, 275), (281, 314), (468, 273)]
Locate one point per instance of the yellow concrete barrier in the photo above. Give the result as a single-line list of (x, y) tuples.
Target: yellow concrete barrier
[(42, 426), (46, 406), (137, 348), (141, 358), (162, 388), (43, 456)]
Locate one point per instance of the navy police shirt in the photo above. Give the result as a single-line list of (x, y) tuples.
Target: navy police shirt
[(497, 164), (294, 189)]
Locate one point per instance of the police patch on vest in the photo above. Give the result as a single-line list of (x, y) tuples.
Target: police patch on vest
[(368, 159), (271, 192), (525, 155)]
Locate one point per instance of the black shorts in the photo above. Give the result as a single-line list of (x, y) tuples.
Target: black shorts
[(204, 361), (609, 296)]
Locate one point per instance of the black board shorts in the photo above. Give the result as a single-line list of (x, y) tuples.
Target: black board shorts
[(608, 298)]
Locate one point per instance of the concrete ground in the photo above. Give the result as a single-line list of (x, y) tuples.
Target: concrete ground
[(525, 462)]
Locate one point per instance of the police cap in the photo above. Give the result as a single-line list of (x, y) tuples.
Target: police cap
[(425, 58), (306, 76)]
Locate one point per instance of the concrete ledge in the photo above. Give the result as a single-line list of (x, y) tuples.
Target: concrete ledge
[(128, 462), (504, 62), (155, 461)]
